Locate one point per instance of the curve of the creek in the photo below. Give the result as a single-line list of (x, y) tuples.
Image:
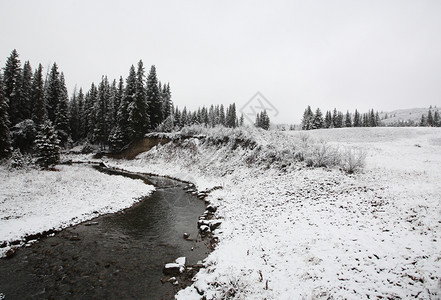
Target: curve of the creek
[(114, 256)]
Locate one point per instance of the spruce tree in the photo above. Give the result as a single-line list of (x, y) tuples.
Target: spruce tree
[(12, 87), (101, 133), (436, 119), (423, 121), (89, 112), (328, 120), (26, 92), (53, 93), (308, 119), (62, 113), (74, 118), (81, 115), (154, 99), (241, 120), (47, 146), (5, 135), (221, 115), (318, 119), (357, 120), (430, 118), (348, 121), (37, 97)]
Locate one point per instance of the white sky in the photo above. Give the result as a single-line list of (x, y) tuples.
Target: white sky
[(382, 54)]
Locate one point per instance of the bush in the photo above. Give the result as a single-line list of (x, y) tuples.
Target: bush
[(353, 160)]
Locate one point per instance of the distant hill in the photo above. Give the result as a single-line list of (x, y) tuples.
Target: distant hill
[(406, 115)]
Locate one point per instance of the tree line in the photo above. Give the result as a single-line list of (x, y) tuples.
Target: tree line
[(431, 120), (336, 119), (37, 114)]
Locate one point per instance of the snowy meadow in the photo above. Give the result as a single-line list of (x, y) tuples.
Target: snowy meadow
[(298, 224)]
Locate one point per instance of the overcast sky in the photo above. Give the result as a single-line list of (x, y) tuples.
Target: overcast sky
[(383, 54)]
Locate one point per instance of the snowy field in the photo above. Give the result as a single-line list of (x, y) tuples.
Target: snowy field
[(33, 201), (294, 232)]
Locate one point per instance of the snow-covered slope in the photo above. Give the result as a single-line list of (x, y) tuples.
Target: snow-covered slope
[(292, 232), (33, 201), (405, 115)]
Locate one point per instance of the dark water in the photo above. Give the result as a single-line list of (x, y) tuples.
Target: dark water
[(120, 257)]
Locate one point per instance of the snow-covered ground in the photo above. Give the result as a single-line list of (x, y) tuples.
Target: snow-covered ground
[(33, 201), (294, 232)]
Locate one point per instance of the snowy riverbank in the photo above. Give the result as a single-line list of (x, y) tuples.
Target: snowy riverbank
[(33, 201), (290, 231)]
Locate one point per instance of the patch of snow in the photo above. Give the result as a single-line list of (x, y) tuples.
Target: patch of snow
[(34, 201)]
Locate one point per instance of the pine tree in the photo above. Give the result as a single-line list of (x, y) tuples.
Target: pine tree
[(154, 99), (357, 120), (258, 122), (5, 135), (46, 146), (74, 118), (138, 120), (231, 116), (81, 115), (328, 120), (37, 97), (12, 87), (53, 93), (26, 92), (436, 119), (430, 118), (423, 121), (348, 121), (264, 120), (89, 112), (318, 119), (221, 115), (241, 120), (308, 119), (101, 132), (62, 113)]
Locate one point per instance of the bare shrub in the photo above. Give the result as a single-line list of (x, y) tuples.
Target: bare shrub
[(322, 155), (353, 160)]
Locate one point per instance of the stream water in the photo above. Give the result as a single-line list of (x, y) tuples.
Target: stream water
[(115, 256)]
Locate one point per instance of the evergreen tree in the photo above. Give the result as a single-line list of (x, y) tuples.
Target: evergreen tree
[(328, 120), (241, 120), (138, 119), (74, 118), (154, 99), (423, 121), (335, 119), (430, 118), (101, 131), (89, 112), (37, 97), (5, 135), (81, 115), (308, 118), (46, 146), (436, 119), (62, 113), (231, 116), (258, 122), (348, 121), (372, 119), (318, 119), (12, 87), (221, 115), (53, 93), (264, 120), (26, 92), (357, 120)]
